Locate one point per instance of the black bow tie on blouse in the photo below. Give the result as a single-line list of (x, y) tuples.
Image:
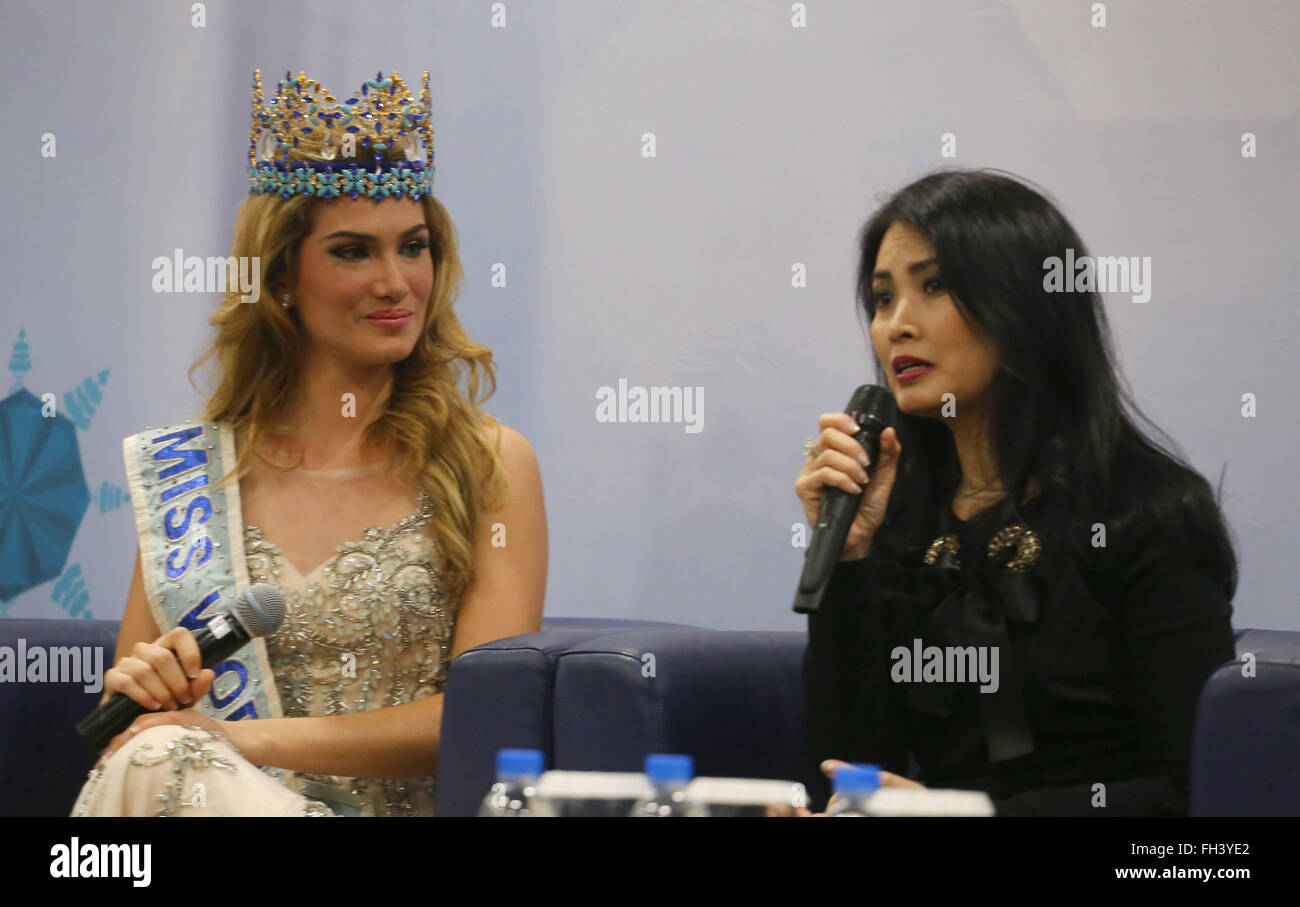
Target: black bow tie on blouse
[(974, 609)]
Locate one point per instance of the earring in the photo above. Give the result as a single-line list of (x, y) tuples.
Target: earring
[(285, 299)]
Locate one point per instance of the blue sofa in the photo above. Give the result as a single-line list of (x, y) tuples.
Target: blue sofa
[(43, 762), (1246, 746), (599, 694), (733, 700)]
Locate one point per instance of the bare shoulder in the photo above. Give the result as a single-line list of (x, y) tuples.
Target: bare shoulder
[(512, 441), (519, 460), (511, 555)]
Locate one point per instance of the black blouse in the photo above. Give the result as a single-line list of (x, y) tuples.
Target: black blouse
[(1100, 662)]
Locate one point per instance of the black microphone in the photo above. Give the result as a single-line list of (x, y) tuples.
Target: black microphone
[(257, 611), (874, 409)]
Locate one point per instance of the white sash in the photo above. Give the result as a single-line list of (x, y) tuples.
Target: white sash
[(192, 554)]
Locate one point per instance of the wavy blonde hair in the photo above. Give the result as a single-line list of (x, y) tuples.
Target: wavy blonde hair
[(442, 439)]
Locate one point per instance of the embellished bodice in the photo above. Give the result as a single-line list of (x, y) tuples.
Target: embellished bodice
[(371, 627)]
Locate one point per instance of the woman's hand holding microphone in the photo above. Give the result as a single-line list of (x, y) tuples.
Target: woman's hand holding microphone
[(839, 461), (166, 676)]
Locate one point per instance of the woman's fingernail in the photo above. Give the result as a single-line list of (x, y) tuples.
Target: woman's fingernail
[(155, 704), (862, 458)]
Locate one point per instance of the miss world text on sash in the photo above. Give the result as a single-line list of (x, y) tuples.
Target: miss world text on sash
[(192, 567)]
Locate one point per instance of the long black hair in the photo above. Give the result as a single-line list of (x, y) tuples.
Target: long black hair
[(1061, 416)]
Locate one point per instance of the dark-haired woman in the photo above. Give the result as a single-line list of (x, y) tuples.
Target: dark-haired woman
[(1018, 520)]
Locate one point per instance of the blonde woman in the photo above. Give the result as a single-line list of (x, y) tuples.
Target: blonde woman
[(401, 523)]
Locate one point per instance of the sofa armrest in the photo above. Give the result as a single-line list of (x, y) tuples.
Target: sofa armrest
[(733, 700), (1246, 743), (43, 762), (500, 695)]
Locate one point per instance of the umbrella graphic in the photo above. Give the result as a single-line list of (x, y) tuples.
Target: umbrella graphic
[(43, 493)]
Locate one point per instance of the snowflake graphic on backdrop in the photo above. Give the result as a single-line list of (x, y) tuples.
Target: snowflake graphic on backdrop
[(43, 491)]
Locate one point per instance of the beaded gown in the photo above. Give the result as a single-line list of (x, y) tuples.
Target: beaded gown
[(371, 627)]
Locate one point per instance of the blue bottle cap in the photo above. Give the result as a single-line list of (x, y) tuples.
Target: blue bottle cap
[(859, 779), (520, 762), (665, 768)]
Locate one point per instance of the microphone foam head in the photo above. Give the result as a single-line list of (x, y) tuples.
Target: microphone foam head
[(260, 609), (874, 402)]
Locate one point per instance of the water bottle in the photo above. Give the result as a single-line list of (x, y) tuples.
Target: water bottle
[(517, 772), (669, 774), (854, 787)]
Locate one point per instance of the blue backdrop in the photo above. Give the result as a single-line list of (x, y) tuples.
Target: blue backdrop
[(671, 191)]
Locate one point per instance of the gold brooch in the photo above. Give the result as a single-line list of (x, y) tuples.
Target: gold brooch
[(1028, 548), (948, 543)]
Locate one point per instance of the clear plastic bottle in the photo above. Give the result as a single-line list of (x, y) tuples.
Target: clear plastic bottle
[(517, 772), (669, 773), (854, 786)]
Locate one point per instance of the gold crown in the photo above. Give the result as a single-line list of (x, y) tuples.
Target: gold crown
[(304, 141)]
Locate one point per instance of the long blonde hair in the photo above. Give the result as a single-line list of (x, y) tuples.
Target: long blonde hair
[(442, 439)]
